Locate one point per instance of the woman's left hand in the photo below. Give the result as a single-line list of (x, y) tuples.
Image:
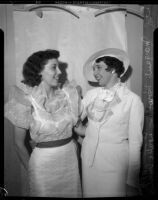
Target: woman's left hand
[(79, 128), (132, 191)]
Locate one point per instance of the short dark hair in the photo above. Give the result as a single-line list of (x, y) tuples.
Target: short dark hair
[(35, 64), (112, 63)]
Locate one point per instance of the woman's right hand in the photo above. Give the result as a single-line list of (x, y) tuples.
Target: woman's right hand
[(80, 129), (32, 144)]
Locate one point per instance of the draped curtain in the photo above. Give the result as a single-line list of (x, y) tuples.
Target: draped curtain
[(150, 24), (76, 38)]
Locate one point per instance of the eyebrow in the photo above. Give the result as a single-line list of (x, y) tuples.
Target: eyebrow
[(54, 65), (96, 65)]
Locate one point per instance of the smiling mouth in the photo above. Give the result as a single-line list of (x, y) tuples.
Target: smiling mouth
[(56, 78), (97, 78)]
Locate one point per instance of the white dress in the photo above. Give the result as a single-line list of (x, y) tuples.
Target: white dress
[(53, 171), (112, 144)]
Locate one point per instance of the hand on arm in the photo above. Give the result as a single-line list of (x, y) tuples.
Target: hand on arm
[(32, 144), (79, 128)]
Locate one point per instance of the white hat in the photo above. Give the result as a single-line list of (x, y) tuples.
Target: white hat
[(113, 52)]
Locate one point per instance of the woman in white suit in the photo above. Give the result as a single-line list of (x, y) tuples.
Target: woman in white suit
[(111, 148)]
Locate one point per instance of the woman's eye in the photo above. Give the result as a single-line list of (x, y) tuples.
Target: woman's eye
[(96, 68), (54, 67)]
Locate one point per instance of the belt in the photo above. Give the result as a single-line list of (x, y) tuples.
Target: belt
[(55, 143)]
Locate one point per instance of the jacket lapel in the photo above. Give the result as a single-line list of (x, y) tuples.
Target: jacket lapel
[(111, 108)]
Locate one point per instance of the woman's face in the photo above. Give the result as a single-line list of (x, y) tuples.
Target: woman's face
[(101, 75), (50, 73)]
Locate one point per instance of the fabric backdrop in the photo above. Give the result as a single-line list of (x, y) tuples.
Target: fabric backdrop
[(76, 39)]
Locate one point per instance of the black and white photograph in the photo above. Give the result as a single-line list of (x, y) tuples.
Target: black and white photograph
[(78, 99)]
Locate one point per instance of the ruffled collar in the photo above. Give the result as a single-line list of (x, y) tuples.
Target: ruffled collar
[(107, 95), (104, 102)]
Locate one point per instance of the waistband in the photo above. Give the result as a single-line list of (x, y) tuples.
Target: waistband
[(55, 143)]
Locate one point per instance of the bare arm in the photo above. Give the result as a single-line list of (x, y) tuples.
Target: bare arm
[(19, 137)]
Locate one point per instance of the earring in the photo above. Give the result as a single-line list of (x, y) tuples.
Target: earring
[(113, 72)]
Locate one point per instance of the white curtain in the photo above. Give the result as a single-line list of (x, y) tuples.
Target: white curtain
[(76, 39)]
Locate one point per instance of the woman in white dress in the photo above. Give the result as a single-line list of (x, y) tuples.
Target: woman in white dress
[(113, 137), (49, 113)]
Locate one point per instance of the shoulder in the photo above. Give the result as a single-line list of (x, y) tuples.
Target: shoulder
[(19, 95), (15, 88), (126, 92), (15, 91), (134, 98), (133, 95)]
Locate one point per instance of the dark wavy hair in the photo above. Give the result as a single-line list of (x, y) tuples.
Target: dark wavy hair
[(35, 64), (112, 64)]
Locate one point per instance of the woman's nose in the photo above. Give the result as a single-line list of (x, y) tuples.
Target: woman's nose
[(95, 71), (58, 71)]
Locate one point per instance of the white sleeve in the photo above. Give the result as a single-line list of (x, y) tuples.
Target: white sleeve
[(136, 122), (89, 96), (18, 109)]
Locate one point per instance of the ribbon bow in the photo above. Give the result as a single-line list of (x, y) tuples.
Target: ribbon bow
[(106, 95)]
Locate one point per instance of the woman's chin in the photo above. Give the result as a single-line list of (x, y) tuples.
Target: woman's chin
[(54, 84)]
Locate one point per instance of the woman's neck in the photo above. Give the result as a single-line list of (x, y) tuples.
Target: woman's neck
[(112, 83), (50, 91)]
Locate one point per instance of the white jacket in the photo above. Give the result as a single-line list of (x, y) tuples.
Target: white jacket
[(118, 129)]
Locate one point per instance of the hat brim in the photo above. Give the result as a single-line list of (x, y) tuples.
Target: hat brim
[(113, 52)]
